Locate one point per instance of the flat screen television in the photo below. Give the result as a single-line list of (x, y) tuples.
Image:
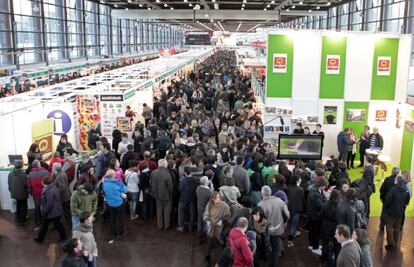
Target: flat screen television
[(294, 146)]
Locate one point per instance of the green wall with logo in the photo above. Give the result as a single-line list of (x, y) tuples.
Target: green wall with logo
[(332, 86), (383, 87), (279, 84)]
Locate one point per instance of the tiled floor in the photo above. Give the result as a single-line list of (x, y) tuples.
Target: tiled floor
[(146, 246)]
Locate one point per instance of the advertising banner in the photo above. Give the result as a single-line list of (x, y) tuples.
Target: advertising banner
[(279, 63), (333, 64), (42, 135), (384, 66)]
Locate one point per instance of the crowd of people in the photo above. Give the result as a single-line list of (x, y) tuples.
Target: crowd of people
[(199, 162)]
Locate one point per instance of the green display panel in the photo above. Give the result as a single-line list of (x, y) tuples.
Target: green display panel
[(384, 76), (407, 144), (279, 78), (354, 119), (333, 62)]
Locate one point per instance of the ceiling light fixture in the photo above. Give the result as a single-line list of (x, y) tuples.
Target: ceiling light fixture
[(242, 8), (140, 5), (300, 3), (293, 7), (318, 7), (165, 5), (190, 4), (115, 5), (287, 10), (328, 4), (149, 8), (264, 9), (243, 5), (216, 7), (126, 8), (310, 10), (185, 1), (171, 8), (268, 6), (273, 1)]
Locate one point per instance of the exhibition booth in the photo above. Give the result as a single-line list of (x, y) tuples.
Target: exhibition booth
[(341, 79)]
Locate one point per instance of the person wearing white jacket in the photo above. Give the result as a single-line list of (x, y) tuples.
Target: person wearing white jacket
[(132, 181)]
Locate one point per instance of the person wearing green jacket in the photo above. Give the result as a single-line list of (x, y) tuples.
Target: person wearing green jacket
[(84, 199)]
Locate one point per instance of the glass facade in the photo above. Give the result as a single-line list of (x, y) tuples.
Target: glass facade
[(50, 31), (364, 15)]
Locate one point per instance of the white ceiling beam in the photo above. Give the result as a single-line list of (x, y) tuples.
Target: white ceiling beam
[(185, 14)]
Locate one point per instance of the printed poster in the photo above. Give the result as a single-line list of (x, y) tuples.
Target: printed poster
[(384, 66), (330, 114), (380, 115), (123, 124), (279, 63), (87, 108), (42, 135), (355, 114), (333, 64)]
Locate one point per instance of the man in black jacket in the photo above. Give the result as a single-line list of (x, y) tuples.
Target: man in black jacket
[(385, 188), (296, 203), (127, 156), (315, 202), (394, 206), (345, 214), (19, 190)]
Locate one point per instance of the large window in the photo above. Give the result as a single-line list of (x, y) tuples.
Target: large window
[(28, 31), (75, 28), (55, 30), (92, 27), (105, 29), (50, 31), (6, 44)]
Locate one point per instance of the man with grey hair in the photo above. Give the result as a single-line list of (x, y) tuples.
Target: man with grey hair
[(395, 203), (275, 211), (227, 172), (162, 189), (35, 179), (385, 188), (203, 194), (18, 188)]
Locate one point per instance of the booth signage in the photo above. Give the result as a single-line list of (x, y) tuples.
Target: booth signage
[(62, 122), (333, 64), (384, 66), (112, 98), (279, 63), (380, 115), (129, 94)]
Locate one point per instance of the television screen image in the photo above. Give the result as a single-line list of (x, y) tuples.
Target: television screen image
[(300, 147)]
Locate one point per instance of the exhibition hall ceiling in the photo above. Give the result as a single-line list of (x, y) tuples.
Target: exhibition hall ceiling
[(220, 15)]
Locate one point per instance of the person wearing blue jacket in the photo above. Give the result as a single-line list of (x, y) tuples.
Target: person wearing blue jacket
[(343, 141), (115, 192)]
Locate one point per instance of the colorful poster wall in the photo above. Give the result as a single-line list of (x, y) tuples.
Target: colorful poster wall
[(88, 110)]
